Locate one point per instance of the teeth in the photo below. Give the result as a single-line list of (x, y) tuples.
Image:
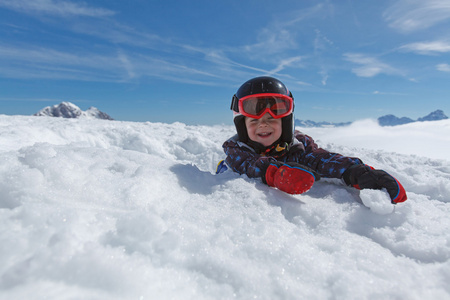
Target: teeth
[(265, 134)]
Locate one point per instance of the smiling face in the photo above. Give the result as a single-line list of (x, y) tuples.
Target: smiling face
[(265, 130)]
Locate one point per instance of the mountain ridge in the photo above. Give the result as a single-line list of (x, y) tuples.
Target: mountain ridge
[(386, 120), (70, 110)]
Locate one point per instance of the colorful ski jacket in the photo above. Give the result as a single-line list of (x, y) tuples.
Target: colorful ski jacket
[(243, 159)]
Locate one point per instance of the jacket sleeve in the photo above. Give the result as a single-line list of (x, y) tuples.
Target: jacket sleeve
[(327, 164), (245, 161)]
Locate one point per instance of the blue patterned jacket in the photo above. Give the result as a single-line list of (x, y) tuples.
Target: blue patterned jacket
[(243, 159)]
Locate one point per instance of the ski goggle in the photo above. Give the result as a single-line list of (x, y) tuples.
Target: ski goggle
[(256, 106)]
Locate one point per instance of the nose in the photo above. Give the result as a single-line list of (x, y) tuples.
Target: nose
[(262, 122)]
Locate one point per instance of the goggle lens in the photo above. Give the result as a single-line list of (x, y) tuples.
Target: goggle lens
[(255, 106)]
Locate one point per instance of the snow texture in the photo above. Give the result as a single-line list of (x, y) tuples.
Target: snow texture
[(94, 209)]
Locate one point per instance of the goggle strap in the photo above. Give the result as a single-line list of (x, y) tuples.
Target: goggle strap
[(235, 103)]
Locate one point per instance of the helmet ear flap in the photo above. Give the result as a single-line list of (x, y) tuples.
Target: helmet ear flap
[(287, 123), (293, 102), (239, 122)]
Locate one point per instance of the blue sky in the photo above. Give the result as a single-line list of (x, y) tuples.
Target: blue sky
[(167, 61)]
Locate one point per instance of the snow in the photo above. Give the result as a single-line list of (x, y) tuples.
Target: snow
[(94, 209), (430, 139)]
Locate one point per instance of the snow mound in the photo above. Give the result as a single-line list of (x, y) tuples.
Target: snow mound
[(121, 210), (378, 201)]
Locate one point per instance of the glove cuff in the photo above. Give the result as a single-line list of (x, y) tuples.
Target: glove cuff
[(350, 176), (269, 173)]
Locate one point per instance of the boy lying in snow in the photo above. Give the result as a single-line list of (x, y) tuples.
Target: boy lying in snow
[(266, 146)]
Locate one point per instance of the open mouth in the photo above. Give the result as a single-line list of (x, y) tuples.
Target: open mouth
[(264, 134)]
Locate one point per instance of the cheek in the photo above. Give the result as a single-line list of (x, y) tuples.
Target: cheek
[(250, 128), (277, 126)]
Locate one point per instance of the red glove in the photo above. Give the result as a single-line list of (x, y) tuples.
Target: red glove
[(291, 178), (366, 177)]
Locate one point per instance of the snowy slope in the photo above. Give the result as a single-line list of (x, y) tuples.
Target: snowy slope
[(93, 209)]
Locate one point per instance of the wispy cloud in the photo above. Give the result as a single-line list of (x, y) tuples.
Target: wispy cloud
[(302, 83), (127, 65), (389, 93), (117, 33), (280, 34), (165, 60), (217, 58), (270, 41), (46, 63), (274, 50), (41, 62), (369, 66), (278, 42), (443, 67), (129, 54), (33, 99), (411, 15), (321, 42), (288, 62), (324, 74), (321, 46), (427, 47), (55, 7)]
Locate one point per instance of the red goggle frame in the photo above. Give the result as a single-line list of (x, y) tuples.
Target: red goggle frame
[(256, 106)]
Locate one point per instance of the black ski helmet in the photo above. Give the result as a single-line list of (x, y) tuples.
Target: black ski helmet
[(259, 85)]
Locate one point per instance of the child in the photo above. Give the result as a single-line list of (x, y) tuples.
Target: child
[(266, 146)]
